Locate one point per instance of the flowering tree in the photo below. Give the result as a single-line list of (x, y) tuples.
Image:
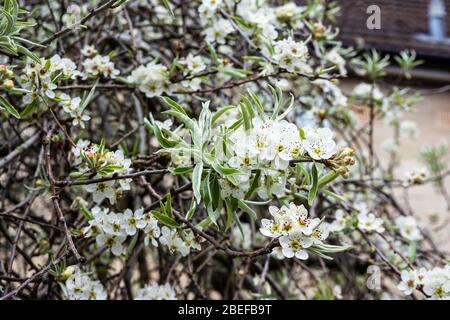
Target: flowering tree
[(203, 149)]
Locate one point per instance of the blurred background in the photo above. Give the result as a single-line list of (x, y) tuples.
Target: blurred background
[(424, 26)]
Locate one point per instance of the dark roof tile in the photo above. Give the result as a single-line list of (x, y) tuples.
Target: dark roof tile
[(401, 22)]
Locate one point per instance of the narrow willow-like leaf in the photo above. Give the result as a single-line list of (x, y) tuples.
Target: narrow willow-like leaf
[(168, 221), (220, 112), (28, 53), (9, 107), (191, 210), (132, 243), (168, 7), (244, 207), (197, 181), (315, 185), (173, 104), (330, 176), (333, 195)]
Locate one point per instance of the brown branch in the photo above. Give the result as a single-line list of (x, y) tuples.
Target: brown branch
[(148, 172), (55, 198), (67, 30)]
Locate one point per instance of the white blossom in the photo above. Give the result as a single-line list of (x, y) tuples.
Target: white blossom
[(79, 286), (295, 245), (102, 190), (194, 64), (367, 91), (152, 79), (291, 55), (154, 291), (171, 239), (99, 66), (319, 143), (218, 31), (408, 228), (408, 283), (133, 221), (369, 222)]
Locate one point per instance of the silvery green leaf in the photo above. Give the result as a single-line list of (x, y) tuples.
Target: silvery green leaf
[(197, 180), (9, 107), (314, 185), (333, 195), (330, 248), (244, 207), (168, 221), (220, 112)]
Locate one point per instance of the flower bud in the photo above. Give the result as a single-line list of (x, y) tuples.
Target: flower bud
[(226, 61), (9, 73), (8, 84), (68, 272), (349, 160), (319, 30), (321, 113), (348, 151), (342, 170)]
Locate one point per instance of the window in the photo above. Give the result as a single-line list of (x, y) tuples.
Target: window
[(436, 22)]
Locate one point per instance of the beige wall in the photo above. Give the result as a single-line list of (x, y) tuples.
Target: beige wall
[(432, 116)]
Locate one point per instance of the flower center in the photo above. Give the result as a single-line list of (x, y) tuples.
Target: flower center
[(438, 291), (295, 152), (280, 148), (317, 150), (317, 233), (287, 226), (303, 221), (296, 245), (275, 228), (110, 242)]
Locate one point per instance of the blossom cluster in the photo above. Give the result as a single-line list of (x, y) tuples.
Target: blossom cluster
[(367, 220), (193, 67), (180, 241), (295, 231), (230, 153), (111, 229), (408, 228), (264, 24), (366, 92), (91, 158), (40, 84), (154, 291), (270, 146), (291, 55), (152, 79), (416, 176), (6, 73), (39, 78), (80, 286), (40, 81), (435, 283), (97, 65)]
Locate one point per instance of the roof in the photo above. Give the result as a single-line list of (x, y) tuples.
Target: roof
[(401, 22)]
